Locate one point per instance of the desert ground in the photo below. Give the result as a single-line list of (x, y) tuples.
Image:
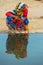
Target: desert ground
[(35, 15)]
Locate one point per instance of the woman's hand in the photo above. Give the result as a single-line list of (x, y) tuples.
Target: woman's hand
[(16, 17)]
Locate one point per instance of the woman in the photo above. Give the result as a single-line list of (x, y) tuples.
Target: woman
[(17, 19)]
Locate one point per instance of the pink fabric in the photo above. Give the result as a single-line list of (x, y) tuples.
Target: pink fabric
[(9, 13), (25, 13), (18, 22)]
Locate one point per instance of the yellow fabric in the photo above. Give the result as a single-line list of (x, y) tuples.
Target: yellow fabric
[(19, 12), (26, 27)]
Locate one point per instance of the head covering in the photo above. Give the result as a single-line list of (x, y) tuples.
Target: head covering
[(21, 5)]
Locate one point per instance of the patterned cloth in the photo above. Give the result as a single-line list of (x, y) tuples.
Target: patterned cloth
[(17, 23)]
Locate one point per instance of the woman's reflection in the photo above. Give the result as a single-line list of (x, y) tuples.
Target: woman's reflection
[(17, 45)]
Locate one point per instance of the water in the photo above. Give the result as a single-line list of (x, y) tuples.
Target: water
[(30, 52)]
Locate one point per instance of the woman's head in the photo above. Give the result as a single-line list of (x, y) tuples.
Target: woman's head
[(20, 7)]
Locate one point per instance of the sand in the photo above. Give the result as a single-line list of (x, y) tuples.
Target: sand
[(35, 15)]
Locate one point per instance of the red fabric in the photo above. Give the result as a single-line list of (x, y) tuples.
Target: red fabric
[(17, 22), (14, 20), (25, 13), (9, 13)]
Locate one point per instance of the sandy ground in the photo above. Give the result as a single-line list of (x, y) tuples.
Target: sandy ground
[(35, 15)]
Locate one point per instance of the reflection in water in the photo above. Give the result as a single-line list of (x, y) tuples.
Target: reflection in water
[(17, 45)]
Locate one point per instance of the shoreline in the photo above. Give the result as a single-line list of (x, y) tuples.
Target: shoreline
[(17, 32)]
